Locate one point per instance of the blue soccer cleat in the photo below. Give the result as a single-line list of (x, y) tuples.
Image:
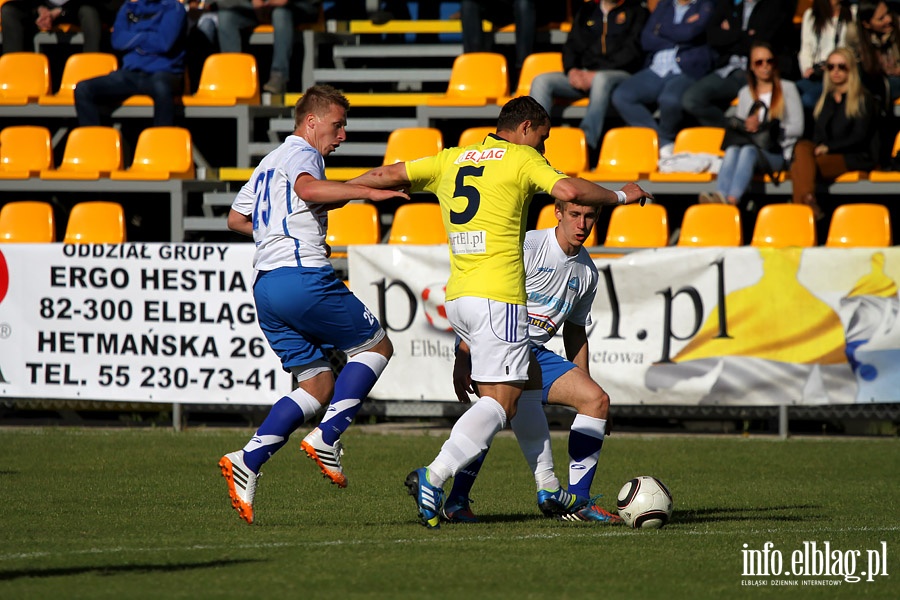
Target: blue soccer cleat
[(457, 510), (593, 512), (558, 502), (428, 497)]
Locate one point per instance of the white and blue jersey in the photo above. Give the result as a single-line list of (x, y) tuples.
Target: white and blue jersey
[(560, 288), (302, 306)]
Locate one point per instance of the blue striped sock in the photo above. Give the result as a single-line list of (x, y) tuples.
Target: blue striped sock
[(356, 380), (274, 432)]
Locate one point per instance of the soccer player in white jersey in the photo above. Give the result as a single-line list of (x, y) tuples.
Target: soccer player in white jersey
[(484, 191), (560, 281), (301, 304)]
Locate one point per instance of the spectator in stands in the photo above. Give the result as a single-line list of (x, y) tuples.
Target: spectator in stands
[(782, 102), (875, 37), (824, 27), (602, 49), (152, 35), (674, 39), (238, 18), (22, 19), (733, 27), (845, 123), (475, 39)]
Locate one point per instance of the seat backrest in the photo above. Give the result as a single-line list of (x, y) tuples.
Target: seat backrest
[(636, 226), (27, 221), (711, 225), (479, 75), (474, 135), (92, 148), (629, 149), (410, 143), (566, 150), (85, 65), (418, 223), (355, 223), (706, 140), (24, 77), (96, 222), (547, 219), (536, 64), (165, 149), (859, 225), (782, 225), (229, 75), (26, 148)]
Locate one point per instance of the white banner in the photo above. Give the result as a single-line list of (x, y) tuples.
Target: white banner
[(133, 322), (679, 326)]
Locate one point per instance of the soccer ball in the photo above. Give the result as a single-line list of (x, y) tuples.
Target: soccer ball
[(433, 303), (645, 503)]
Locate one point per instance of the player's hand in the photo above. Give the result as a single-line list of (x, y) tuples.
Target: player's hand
[(634, 193), (376, 195), (462, 377)]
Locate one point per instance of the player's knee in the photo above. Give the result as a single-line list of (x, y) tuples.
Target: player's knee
[(599, 403)]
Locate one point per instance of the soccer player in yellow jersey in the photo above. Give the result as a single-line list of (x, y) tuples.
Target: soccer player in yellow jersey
[(484, 191)]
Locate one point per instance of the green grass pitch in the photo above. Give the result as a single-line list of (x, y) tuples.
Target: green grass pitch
[(99, 513)]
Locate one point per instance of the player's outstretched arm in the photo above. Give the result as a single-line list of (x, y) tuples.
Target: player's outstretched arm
[(323, 191), (582, 191), (385, 177)]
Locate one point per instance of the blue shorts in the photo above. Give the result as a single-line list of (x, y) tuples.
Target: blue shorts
[(302, 310), (553, 366)]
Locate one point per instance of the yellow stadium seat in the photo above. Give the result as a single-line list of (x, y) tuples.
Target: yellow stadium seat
[(696, 140), (418, 223), (91, 152), (96, 222), (547, 219), (626, 154), (859, 225), (475, 135), (24, 151), (566, 150), (355, 223), (711, 225), (636, 226), (888, 176), (535, 64), (161, 153), (27, 221), (24, 77), (476, 79), (227, 78), (783, 225), (410, 143), (78, 67)]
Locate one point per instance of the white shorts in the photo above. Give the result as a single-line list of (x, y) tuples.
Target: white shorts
[(497, 336)]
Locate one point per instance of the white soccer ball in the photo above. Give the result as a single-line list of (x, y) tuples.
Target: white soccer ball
[(645, 503), (433, 303)]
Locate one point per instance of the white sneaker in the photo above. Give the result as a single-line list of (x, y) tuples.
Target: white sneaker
[(241, 483), (327, 457), (667, 151)]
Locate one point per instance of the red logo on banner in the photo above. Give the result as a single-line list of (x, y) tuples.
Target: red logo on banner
[(4, 277)]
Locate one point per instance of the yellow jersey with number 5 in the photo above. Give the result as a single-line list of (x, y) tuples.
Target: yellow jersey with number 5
[(484, 191)]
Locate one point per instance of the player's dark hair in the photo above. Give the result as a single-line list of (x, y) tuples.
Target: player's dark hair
[(517, 110), (316, 100)]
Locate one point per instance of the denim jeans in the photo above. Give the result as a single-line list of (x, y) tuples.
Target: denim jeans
[(104, 94), (709, 97), (548, 86), (809, 92), (634, 97), (234, 22), (739, 166)]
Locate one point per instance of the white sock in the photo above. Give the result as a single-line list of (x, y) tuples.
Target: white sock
[(470, 436), (595, 429), (533, 435), (307, 403)]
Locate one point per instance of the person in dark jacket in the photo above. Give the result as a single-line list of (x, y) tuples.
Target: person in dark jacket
[(733, 27), (845, 124), (152, 35), (22, 19), (674, 39), (602, 50)]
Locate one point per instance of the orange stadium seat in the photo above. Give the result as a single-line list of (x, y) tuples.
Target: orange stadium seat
[(626, 154), (636, 226), (78, 67), (535, 64), (25, 150), (410, 143), (355, 223), (418, 223), (711, 225), (566, 149), (859, 225), (227, 78), (161, 153), (783, 225), (24, 77), (475, 135), (27, 221), (476, 79), (91, 152), (697, 140), (96, 222)]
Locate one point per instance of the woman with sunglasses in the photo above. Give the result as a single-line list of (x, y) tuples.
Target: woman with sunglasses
[(782, 101), (843, 133)]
